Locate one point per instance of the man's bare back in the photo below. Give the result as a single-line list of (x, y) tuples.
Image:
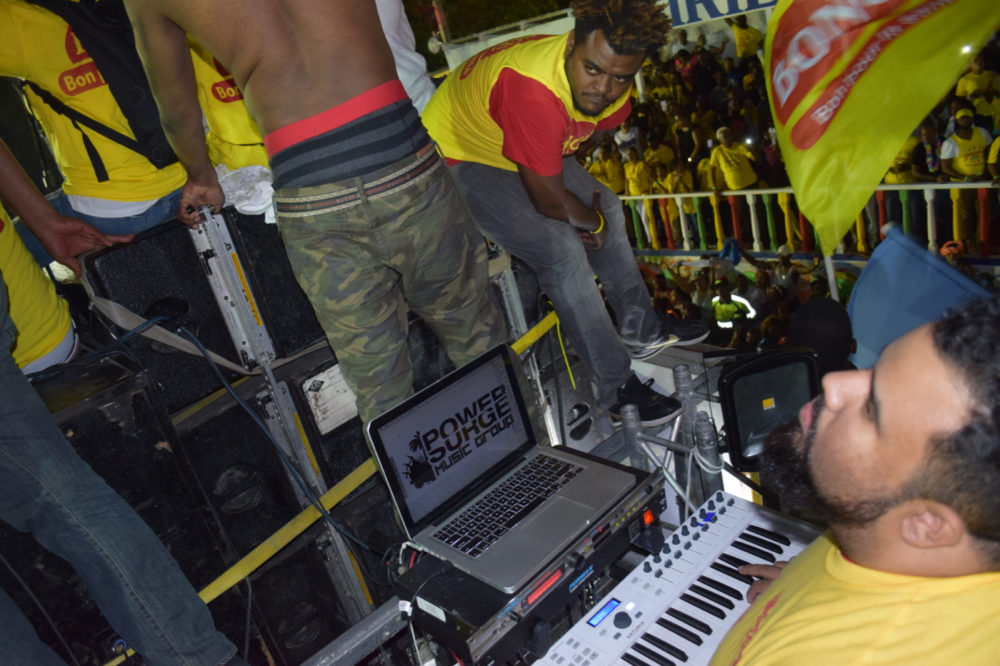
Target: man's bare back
[(291, 59)]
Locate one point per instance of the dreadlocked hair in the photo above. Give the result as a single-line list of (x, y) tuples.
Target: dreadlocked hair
[(629, 26)]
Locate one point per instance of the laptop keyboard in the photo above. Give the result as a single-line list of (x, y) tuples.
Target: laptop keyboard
[(479, 526)]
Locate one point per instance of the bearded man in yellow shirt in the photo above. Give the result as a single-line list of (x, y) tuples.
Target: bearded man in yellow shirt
[(903, 461)]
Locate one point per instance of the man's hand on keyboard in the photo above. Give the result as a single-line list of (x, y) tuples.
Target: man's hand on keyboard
[(765, 573)]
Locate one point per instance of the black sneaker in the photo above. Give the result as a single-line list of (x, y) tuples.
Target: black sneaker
[(654, 408), (673, 331)]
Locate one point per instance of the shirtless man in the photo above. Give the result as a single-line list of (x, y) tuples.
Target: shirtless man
[(369, 216)]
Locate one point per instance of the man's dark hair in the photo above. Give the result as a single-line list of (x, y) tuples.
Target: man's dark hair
[(963, 467), (630, 26)]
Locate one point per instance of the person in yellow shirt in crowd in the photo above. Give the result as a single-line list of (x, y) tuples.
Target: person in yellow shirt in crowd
[(993, 162), (732, 168), (988, 106), (674, 181), (902, 461), (733, 162), (963, 158), (608, 169), (638, 180), (900, 173), (657, 152), (704, 116), (978, 80), (746, 38)]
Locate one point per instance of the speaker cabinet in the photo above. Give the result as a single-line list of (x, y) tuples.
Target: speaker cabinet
[(160, 273), (284, 307)]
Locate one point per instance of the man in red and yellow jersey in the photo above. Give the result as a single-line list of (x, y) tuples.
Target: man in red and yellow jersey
[(509, 121)]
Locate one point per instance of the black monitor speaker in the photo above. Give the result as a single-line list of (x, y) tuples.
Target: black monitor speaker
[(761, 392)]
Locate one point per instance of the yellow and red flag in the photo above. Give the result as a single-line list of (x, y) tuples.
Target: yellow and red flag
[(849, 80)]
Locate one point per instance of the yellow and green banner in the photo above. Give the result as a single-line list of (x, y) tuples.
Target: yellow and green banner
[(849, 80)]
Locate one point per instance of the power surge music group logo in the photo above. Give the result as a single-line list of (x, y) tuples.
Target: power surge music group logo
[(434, 451)]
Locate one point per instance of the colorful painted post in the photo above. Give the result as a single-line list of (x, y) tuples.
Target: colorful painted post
[(772, 233)]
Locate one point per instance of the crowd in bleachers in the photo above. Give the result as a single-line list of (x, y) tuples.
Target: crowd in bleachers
[(706, 127)]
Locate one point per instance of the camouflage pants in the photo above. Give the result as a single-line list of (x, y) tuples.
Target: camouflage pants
[(366, 248)]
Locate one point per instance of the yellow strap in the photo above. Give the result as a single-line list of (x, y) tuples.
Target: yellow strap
[(286, 533)]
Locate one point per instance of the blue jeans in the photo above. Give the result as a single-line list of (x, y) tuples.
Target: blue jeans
[(164, 209), (565, 268), (47, 490)]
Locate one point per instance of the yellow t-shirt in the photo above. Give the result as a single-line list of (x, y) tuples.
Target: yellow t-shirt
[(614, 172), (41, 317), (678, 182), (734, 163), (663, 155), (825, 610), (41, 47), (989, 109), (637, 179), (976, 84), (902, 162), (747, 40), (465, 114), (233, 137), (969, 160), (994, 156)]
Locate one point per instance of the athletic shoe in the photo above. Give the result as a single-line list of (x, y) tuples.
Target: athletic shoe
[(673, 331), (654, 408)]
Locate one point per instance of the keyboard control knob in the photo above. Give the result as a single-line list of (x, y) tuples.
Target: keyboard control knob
[(647, 567), (622, 620)]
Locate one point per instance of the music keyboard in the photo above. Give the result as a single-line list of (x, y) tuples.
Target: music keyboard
[(676, 607)]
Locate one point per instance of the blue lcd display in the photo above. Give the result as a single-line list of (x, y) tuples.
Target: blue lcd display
[(604, 612)]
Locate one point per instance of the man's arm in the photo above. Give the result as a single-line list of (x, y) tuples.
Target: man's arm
[(550, 197), (63, 237), (163, 48), (946, 166)]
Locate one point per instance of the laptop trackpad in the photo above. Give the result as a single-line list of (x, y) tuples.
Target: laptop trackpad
[(559, 516)]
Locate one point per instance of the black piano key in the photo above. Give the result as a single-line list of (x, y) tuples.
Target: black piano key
[(773, 536), (732, 573), (692, 622), (686, 634), (763, 543), (664, 646), (635, 661), (704, 606), (721, 587), (717, 599), (733, 561), (652, 654), (753, 550)]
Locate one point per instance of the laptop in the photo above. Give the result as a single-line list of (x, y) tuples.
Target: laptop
[(472, 486)]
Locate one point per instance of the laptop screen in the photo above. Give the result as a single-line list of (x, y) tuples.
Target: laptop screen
[(444, 444)]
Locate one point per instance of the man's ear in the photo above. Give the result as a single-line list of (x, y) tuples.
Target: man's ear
[(570, 43), (931, 525)]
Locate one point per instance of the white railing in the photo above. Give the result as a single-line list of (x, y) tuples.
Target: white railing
[(797, 230)]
